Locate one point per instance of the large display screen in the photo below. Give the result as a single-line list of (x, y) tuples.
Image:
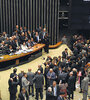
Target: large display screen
[(80, 14)]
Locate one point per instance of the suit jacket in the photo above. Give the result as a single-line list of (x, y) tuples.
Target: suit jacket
[(25, 83), (39, 81), (49, 95), (29, 36), (57, 90), (71, 83), (60, 98), (13, 86), (38, 30), (52, 77), (36, 39), (41, 69), (84, 84), (64, 55), (30, 76), (22, 39), (21, 97), (20, 75), (15, 45), (32, 43), (62, 76)]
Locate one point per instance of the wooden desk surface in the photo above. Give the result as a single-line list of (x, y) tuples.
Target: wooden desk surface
[(16, 56)]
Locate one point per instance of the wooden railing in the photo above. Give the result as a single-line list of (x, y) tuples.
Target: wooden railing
[(55, 46), (87, 66)]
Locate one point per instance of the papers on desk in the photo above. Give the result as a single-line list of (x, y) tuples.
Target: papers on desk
[(11, 54), (23, 51), (1, 57)]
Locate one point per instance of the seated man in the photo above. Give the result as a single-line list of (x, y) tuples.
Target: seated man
[(10, 50), (24, 46), (32, 42), (16, 44), (29, 43)]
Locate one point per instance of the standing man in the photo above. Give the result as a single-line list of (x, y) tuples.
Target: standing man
[(51, 76), (39, 82), (56, 90), (71, 83), (30, 76), (25, 82), (13, 82), (20, 75), (40, 68), (46, 42), (65, 53), (84, 86)]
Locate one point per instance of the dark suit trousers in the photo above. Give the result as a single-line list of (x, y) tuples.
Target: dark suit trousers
[(39, 90), (12, 96), (31, 89), (20, 88), (46, 85), (70, 95), (55, 97)]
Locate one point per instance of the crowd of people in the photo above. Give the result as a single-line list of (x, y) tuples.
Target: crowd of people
[(22, 39), (60, 74)]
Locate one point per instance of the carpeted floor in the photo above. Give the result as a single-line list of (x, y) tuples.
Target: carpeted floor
[(4, 75)]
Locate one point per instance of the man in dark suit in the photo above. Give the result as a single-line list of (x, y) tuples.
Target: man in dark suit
[(56, 90), (16, 29), (37, 38), (28, 43), (45, 75), (32, 42), (20, 31), (40, 68), (16, 45), (65, 53), (25, 29), (46, 42), (61, 96), (14, 74), (39, 29), (23, 95), (29, 35), (30, 76), (71, 84), (13, 86), (22, 38), (39, 81), (49, 94)]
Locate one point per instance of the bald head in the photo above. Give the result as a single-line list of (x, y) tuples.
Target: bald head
[(71, 73), (51, 70), (39, 72), (29, 70)]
